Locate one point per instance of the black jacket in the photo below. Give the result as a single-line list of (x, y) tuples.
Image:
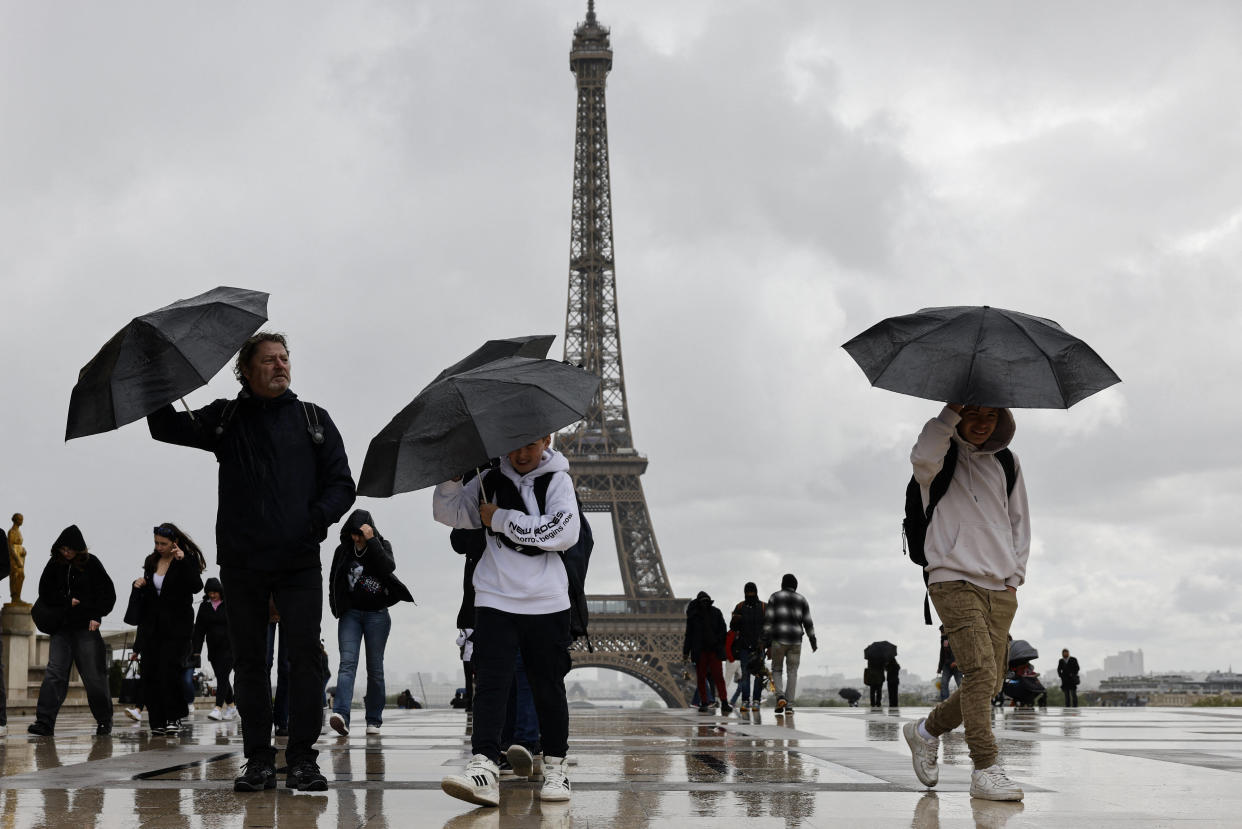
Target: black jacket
[(376, 559), (1067, 670), (705, 629), (279, 491), (169, 614), (211, 625), (747, 620), (90, 585)]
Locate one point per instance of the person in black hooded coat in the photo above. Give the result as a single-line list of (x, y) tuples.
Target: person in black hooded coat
[(361, 588), (211, 626), (75, 585), (704, 644)]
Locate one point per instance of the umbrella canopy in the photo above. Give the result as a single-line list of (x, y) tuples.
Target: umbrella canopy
[(161, 356), (881, 651), (535, 345), (982, 356), (466, 419)]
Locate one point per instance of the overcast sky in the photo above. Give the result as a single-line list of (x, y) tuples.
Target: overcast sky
[(397, 175)]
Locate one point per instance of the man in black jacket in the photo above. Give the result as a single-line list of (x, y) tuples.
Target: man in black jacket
[(747, 623), (284, 479), (1067, 670)]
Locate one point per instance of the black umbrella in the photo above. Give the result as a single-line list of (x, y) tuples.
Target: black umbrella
[(161, 356), (881, 651), (466, 419), (536, 345), (980, 355)]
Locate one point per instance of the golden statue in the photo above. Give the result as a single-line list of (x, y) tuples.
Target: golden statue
[(17, 561)]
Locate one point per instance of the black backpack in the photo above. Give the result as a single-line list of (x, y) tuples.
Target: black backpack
[(914, 525), (576, 559)]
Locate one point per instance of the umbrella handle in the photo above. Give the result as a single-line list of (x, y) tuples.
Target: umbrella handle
[(187, 409)]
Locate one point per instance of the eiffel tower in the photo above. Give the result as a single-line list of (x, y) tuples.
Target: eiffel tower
[(639, 632)]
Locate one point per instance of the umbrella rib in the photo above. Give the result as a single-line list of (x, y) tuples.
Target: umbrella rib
[(897, 353), (1055, 376)]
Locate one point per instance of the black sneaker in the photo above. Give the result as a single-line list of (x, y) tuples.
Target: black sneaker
[(256, 776), (103, 729), (306, 777), (282, 731), (725, 708), (707, 709), (40, 730)]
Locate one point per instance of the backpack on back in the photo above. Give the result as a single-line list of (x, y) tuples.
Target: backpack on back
[(914, 525), (576, 559)]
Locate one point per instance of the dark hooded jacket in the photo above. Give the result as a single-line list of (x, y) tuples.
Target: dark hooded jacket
[(377, 562), (83, 579), (279, 490), (747, 621), (705, 629), (169, 614), (211, 625)]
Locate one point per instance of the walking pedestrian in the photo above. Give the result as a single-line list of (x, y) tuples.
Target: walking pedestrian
[(977, 545), (747, 623), (75, 587), (362, 585), (171, 575), (283, 481), (211, 626), (947, 666), (1067, 670), (5, 571), (521, 600), (704, 645), (786, 617)]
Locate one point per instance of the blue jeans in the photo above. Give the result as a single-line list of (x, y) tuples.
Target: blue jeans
[(352, 629), (945, 676), (744, 681)]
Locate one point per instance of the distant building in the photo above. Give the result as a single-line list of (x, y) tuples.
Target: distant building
[(1168, 689), (1126, 663)]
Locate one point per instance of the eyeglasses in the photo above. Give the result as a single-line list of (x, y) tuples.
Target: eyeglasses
[(165, 531)]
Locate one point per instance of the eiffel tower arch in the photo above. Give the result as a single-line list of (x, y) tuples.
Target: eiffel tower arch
[(640, 631)]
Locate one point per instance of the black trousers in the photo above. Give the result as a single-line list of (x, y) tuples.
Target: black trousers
[(1071, 695), (544, 643), (299, 600), (85, 649), (163, 677), (877, 695), (224, 688)]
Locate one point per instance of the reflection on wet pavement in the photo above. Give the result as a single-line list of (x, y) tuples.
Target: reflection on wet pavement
[(828, 767)]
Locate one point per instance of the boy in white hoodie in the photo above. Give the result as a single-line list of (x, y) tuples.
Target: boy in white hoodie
[(977, 545), (521, 604)]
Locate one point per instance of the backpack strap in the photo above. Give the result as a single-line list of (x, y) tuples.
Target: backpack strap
[(311, 412), (1005, 457)]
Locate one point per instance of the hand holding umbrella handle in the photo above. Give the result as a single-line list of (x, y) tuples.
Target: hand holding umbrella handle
[(187, 409)]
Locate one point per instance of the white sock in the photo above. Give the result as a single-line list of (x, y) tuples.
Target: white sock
[(923, 732)]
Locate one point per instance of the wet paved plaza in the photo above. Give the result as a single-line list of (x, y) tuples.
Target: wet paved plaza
[(829, 767)]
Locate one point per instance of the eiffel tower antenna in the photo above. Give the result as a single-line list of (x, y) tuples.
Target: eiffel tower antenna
[(639, 632)]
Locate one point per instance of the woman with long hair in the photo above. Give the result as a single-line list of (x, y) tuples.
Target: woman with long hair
[(78, 590), (171, 575)]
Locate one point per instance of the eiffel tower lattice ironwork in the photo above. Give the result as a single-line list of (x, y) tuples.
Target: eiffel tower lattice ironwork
[(639, 632)]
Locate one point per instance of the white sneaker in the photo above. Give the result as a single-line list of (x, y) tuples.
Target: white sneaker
[(230, 713), (478, 783), (373, 730), (923, 753), (134, 714), (338, 724), (993, 784), (555, 780), (215, 714), (520, 760)]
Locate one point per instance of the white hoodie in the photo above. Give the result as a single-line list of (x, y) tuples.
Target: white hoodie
[(504, 578), (977, 533)]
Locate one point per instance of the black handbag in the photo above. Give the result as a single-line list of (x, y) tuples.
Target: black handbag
[(133, 610), (48, 619)]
